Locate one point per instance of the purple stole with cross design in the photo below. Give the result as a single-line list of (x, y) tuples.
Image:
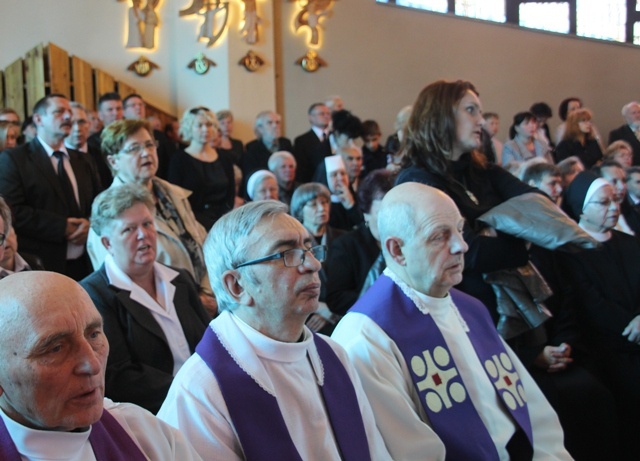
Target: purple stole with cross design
[(442, 392), (109, 441), (257, 418)]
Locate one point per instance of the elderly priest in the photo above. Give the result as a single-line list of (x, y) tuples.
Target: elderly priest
[(441, 382), (53, 354), (261, 385)]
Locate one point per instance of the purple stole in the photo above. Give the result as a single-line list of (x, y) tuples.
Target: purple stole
[(442, 392), (257, 419), (110, 442)]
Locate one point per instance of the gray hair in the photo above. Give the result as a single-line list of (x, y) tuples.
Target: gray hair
[(627, 107), (225, 113), (277, 157), (111, 203), (5, 214), (189, 118), (227, 243), (259, 122), (306, 193)]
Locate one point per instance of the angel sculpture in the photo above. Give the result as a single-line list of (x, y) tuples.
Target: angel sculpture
[(310, 16), (251, 21)]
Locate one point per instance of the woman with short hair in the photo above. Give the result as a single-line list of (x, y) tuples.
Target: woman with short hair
[(200, 168), (152, 314)]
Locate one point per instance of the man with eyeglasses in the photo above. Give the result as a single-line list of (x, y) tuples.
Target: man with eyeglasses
[(50, 189), (261, 385), (78, 140)]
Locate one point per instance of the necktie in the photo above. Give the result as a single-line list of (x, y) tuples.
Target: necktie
[(67, 188)]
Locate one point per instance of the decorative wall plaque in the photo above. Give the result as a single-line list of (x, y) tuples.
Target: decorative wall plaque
[(251, 61), (311, 62), (201, 64), (142, 66)]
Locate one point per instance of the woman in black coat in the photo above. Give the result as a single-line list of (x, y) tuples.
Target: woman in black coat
[(152, 314)]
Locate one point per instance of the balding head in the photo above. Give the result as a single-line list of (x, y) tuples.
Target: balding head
[(420, 231), (53, 352)]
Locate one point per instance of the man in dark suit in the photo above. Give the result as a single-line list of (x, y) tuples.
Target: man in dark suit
[(77, 140), (630, 130), (306, 148), (630, 206), (268, 141), (50, 189), (134, 108), (109, 111)]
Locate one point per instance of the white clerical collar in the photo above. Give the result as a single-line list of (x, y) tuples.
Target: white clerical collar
[(426, 304), (273, 349), (49, 445), (599, 236)]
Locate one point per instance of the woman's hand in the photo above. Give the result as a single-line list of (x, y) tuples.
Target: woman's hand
[(554, 359), (632, 331)]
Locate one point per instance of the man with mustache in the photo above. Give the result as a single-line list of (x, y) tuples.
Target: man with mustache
[(261, 385), (53, 354), (439, 378), (50, 188)]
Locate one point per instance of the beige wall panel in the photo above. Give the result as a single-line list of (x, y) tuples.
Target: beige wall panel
[(82, 83), (58, 70), (34, 76), (14, 87)]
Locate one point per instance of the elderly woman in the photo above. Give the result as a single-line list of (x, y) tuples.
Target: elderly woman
[(130, 151), (524, 145), (203, 170), (152, 314), (228, 144), (580, 139), (262, 185), (310, 205), (283, 165), (607, 282), (621, 152)]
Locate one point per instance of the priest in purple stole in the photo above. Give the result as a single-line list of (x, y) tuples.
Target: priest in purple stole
[(441, 382), (261, 386), (53, 354)]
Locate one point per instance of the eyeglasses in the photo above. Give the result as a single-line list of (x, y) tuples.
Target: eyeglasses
[(3, 237), (604, 203), (137, 149), (292, 258)]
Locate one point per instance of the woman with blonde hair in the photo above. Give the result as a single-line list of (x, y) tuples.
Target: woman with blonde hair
[(202, 169), (580, 139), (9, 133)]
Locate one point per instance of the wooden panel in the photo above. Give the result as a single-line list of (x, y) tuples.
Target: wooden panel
[(104, 83), (82, 83), (125, 90), (14, 87), (58, 70), (34, 76), (162, 115)]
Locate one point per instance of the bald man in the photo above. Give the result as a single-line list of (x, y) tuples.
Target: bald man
[(440, 380), (53, 353)]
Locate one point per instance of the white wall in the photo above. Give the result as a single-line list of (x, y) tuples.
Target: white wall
[(379, 58)]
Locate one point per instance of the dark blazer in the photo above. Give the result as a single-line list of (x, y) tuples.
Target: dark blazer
[(140, 364), (304, 147), (30, 185), (257, 156), (236, 151), (349, 260), (589, 154), (624, 133)]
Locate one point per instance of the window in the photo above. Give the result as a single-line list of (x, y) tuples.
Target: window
[(553, 17), (616, 20), (490, 10)]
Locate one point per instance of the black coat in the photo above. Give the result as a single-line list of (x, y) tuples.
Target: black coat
[(140, 363), (349, 260), (30, 185), (589, 154), (256, 156), (308, 155)]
